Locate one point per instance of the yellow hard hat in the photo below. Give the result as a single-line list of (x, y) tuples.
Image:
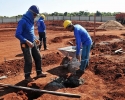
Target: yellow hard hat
[(66, 23), (43, 16)]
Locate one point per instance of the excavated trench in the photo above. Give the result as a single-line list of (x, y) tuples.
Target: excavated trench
[(55, 84)]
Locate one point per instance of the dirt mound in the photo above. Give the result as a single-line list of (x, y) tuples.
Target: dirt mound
[(104, 37), (13, 67), (59, 39), (98, 38), (51, 58), (106, 69), (111, 25), (8, 25), (56, 40), (56, 25)]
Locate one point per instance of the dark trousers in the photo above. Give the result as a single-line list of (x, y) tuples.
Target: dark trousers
[(28, 54), (42, 38)]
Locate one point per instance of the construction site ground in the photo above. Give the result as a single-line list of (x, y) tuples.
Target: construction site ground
[(104, 78)]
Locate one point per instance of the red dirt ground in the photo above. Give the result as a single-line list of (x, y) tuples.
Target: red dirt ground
[(104, 77)]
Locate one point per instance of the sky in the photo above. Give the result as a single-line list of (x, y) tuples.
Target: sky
[(19, 7)]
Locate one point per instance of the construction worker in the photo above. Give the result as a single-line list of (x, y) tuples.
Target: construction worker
[(28, 41), (82, 38), (42, 32)]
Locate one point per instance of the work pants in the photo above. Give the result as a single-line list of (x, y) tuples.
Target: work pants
[(28, 54), (85, 57)]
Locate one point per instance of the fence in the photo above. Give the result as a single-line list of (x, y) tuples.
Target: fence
[(79, 18)]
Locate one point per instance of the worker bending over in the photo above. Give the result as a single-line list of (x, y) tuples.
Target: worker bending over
[(82, 39)]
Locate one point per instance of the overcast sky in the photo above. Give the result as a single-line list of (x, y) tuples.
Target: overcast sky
[(17, 7)]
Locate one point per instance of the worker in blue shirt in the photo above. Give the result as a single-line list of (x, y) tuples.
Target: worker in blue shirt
[(82, 39), (42, 32), (28, 41)]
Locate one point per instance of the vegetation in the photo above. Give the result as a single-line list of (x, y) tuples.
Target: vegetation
[(80, 13)]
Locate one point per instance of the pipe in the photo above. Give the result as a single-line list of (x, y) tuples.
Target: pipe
[(38, 90), (119, 50)]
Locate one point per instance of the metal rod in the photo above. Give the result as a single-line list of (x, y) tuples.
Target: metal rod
[(38, 90), (71, 43), (94, 25)]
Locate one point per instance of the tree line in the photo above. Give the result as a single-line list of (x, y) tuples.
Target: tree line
[(80, 13), (83, 13)]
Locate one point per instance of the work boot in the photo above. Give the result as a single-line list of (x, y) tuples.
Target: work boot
[(46, 48), (29, 79), (41, 75)]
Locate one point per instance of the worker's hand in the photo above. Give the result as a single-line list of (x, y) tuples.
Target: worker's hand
[(30, 44), (37, 42), (78, 57)]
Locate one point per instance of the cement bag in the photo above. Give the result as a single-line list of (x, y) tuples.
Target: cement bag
[(74, 65), (75, 62), (65, 62)]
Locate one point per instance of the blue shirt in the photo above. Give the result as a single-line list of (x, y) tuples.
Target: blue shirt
[(25, 28), (41, 25), (82, 37)]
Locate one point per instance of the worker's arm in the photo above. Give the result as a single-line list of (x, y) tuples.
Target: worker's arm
[(78, 42), (19, 31), (30, 44)]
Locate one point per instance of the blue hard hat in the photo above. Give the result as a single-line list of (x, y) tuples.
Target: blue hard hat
[(34, 9)]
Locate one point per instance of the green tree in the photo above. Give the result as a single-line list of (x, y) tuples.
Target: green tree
[(81, 13), (65, 13), (98, 13), (86, 13), (60, 14)]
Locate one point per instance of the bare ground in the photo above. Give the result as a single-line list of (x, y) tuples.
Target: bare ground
[(104, 77)]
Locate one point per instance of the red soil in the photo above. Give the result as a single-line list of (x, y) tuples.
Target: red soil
[(104, 77)]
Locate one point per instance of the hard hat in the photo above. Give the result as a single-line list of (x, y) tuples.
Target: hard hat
[(66, 23), (34, 9), (43, 16)]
